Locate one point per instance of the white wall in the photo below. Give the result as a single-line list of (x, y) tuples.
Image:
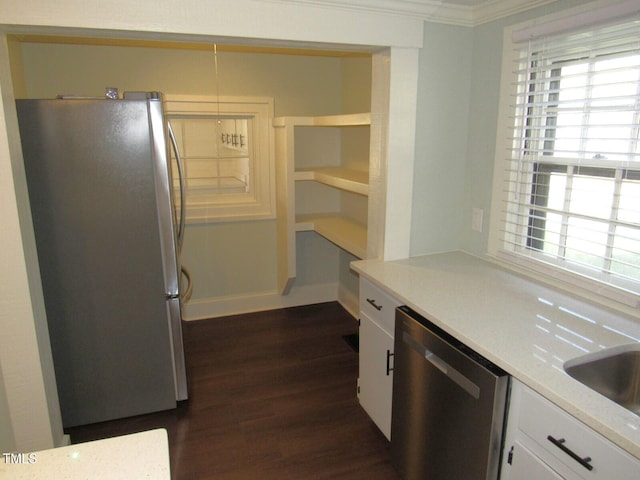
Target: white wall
[(28, 392), (187, 20), (6, 433)]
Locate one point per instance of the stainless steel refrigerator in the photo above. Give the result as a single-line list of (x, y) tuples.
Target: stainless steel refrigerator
[(101, 196)]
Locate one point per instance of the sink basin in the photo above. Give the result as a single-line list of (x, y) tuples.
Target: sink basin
[(613, 372)]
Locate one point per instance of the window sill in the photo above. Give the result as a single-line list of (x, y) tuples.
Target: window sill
[(211, 213), (608, 295)]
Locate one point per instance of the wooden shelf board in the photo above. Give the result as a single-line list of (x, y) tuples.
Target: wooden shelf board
[(345, 179), (344, 120), (347, 234)]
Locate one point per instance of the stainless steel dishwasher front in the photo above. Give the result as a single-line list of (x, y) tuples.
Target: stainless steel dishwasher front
[(448, 405)]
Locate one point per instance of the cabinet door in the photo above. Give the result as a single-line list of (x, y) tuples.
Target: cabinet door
[(526, 466), (376, 377), (542, 428)]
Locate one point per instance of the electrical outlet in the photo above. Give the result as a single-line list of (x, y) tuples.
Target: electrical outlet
[(476, 219)]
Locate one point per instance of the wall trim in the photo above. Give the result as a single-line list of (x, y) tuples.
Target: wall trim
[(431, 10), (349, 300), (233, 305), (495, 9)]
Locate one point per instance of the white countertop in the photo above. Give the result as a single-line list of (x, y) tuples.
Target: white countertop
[(523, 326), (142, 455)]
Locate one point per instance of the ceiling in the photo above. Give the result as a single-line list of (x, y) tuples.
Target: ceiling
[(471, 3)]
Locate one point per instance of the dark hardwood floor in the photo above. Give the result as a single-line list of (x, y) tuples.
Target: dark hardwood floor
[(272, 396)]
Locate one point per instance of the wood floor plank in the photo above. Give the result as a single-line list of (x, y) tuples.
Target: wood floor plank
[(272, 396)]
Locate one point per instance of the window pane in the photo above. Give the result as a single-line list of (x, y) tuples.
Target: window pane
[(629, 209), (215, 152), (592, 196), (626, 253), (573, 85), (200, 137), (586, 242), (568, 111), (615, 78), (557, 187), (607, 136), (552, 234), (567, 142)]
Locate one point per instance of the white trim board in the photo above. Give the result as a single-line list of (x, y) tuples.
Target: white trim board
[(437, 11), (298, 296)]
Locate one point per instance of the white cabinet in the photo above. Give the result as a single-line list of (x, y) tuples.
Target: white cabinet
[(322, 178), (527, 465), (375, 382), (543, 442)]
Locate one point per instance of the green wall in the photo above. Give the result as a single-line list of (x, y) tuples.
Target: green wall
[(458, 100), (232, 258), (442, 126)]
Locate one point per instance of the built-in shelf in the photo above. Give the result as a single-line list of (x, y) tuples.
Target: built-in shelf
[(343, 178), (347, 120), (322, 160), (347, 234)]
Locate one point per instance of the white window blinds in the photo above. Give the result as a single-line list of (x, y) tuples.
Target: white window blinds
[(573, 179)]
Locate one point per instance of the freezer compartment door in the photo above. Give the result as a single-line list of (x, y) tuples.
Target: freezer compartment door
[(177, 350)]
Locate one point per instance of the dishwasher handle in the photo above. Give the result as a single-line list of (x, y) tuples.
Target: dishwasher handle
[(454, 375), (436, 361)]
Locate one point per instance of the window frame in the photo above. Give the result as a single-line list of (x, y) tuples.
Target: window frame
[(259, 202), (623, 292)]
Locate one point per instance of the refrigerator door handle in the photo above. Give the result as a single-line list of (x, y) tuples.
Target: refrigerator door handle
[(187, 292), (181, 180)]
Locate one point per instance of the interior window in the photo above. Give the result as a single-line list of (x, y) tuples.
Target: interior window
[(226, 151), (216, 153)]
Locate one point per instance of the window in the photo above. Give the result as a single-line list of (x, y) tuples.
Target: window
[(226, 148), (573, 182)]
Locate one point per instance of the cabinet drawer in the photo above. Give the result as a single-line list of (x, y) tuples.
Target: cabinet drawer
[(557, 436), (378, 305)]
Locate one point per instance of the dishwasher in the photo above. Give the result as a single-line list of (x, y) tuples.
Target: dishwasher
[(449, 405)]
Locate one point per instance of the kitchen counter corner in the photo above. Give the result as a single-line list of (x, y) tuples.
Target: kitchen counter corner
[(139, 455)]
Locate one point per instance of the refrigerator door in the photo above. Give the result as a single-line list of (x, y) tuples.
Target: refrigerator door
[(90, 175), (177, 352), (169, 232)]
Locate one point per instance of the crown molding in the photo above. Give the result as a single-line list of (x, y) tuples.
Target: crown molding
[(491, 10), (437, 11)]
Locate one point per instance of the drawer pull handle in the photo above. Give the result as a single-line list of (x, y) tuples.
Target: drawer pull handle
[(373, 303), (560, 444), (389, 367)]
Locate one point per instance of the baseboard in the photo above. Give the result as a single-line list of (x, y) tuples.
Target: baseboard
[(350, 301), (233, 305)]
